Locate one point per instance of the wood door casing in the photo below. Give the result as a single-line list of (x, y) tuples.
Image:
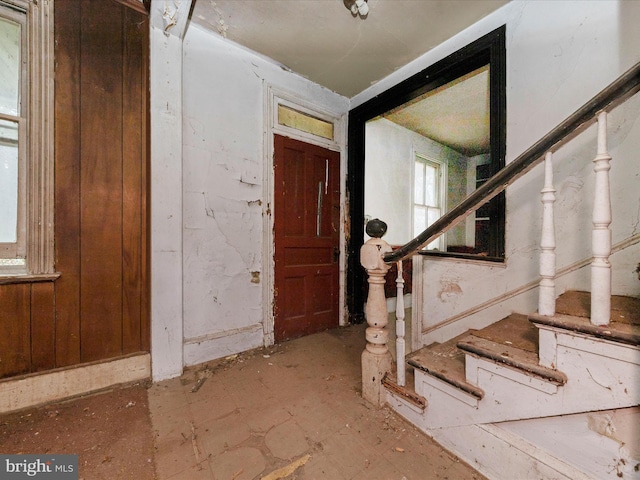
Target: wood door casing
[(307, 238)]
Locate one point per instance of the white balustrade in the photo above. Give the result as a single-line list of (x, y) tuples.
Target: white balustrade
[(400, 341), (547, 295), (601, 235)]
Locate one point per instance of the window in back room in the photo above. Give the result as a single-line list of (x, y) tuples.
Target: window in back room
[(452, 113)]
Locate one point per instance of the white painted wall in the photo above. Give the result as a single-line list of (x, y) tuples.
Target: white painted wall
[(390, 153), (559, 54), (166, 200), (224, 190)]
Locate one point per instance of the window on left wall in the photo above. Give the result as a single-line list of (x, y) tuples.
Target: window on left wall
[(26, 140)]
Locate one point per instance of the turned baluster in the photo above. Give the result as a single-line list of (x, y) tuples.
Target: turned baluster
[(547, 295), (601, 235)]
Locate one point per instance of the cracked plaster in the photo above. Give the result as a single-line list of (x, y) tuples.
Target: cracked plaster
[(544, 88), (223, 197)]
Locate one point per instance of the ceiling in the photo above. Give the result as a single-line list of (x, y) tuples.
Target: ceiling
[(324, 42), (441, 116)]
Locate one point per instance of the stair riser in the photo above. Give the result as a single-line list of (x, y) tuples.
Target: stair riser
[(533, 453), (602, 375), (554, 339)]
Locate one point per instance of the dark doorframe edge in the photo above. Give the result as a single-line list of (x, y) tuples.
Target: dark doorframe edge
[(490, 48)]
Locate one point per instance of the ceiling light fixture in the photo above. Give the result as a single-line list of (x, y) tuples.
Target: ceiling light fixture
[(358, 7)]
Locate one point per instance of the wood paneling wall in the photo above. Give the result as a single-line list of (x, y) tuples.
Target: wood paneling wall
[(99, 306)]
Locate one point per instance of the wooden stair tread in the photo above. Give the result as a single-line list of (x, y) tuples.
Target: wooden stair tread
[(615, 331), (512, 356), (513, 341), (624, 310), (515, 330), (446, 362)]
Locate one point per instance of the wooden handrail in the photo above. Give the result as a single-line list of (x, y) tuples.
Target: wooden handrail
[(617, 92)]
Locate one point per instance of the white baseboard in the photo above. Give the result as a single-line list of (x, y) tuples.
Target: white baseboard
[(221, 344), (18, 393)]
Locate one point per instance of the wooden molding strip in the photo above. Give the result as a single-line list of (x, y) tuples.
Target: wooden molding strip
[(404, 392), (18, 393)]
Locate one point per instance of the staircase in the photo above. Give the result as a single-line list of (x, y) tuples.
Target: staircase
[(548, 395), (486, 393)]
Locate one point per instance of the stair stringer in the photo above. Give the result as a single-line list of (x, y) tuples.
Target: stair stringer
[(586, 446), (502, 455), (601, 375)]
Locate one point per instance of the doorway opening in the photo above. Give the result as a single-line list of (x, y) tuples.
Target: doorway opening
[(453, 112)]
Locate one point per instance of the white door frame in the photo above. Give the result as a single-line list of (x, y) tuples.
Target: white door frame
[(272, 98)]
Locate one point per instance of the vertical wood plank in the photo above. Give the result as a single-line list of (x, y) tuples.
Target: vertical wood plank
[(132, 187), (101, 181), (67, 181), (42, 327), (101, 189), (15, 332)]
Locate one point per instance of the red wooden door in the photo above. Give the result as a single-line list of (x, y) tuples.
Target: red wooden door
[(307, 216)]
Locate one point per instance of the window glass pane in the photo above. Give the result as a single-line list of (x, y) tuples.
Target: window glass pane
[(8, 181), (304, 122), (419, 220), (431, 185), (418, 196), (433, 214), (9, 67)]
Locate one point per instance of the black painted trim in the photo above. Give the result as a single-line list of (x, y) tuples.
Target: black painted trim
[(489, 49)]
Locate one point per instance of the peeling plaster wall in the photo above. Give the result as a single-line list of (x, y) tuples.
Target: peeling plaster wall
[(223, 194), (559, 54)]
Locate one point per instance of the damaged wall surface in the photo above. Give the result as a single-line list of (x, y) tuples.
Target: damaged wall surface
[(224, 200), (559, 54)]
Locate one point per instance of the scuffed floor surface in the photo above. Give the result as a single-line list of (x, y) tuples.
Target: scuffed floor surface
[(110, 432), (293, 411)]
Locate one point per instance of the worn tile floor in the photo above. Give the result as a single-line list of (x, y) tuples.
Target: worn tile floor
[(292, 411)]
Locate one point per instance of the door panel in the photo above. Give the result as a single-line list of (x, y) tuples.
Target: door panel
[(307, 215)]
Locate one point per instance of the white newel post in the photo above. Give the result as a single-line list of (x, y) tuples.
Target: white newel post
[(547, 295), (400, 342), (601, 235), (376, 358)]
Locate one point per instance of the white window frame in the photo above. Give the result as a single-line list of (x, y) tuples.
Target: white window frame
[(440, 242), (36, 140)]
